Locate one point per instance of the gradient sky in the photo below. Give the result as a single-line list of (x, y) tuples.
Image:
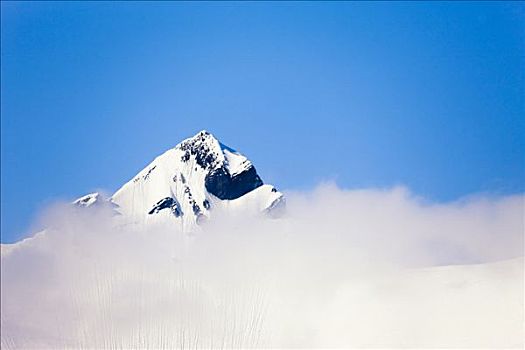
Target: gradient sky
[(426, 95)]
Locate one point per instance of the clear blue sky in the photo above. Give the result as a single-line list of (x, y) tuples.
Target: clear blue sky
[(427, 95)]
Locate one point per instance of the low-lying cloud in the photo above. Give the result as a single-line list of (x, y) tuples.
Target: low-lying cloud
[(366, 268)]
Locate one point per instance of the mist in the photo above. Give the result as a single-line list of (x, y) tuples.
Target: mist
[(351, 269)]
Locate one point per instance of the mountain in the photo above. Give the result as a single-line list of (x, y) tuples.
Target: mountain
[(188, 184)]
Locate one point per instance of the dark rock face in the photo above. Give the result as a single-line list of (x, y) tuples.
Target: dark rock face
[(221, 184), (198, 148), (196, 208), (149, 172), (218, 181), (165, 203)]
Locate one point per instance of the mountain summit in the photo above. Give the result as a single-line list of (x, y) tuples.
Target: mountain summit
[(189, 183)]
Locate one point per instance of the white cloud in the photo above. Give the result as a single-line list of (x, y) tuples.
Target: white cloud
[(342, 268)]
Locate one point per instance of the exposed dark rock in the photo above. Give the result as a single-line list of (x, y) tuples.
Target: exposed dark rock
[(162, 204), (165, 203), (196, 208), (206, 204), (198, 148), (149, 172), (220, 183), (177, 211)]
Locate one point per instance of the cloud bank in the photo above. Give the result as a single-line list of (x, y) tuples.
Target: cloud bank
[(366, 268)]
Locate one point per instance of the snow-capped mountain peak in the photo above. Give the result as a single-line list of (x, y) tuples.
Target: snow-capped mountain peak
[(185, 185)]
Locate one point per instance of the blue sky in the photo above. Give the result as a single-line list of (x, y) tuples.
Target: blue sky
[(426, 95)]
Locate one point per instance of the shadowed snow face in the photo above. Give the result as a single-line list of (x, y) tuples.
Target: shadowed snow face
[(340, 268)]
